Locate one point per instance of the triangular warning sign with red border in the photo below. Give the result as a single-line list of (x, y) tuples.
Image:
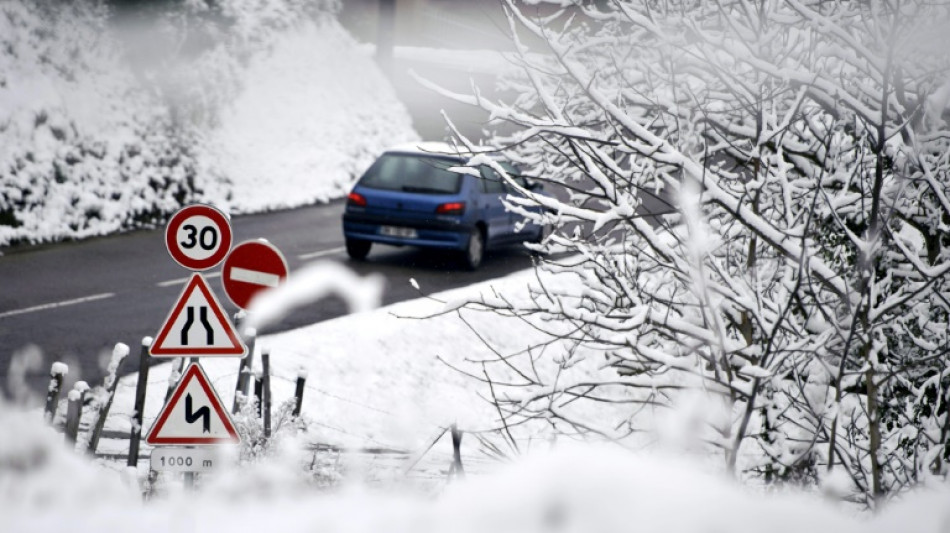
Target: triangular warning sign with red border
[(197, 325), (193, 414)]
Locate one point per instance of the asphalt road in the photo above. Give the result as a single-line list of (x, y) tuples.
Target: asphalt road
[(75, 301)]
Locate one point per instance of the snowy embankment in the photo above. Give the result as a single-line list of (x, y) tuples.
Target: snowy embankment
[(105, 128), (314, 114), (374, 381)]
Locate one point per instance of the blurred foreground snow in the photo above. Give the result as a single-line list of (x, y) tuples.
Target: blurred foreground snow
[(45, 487)]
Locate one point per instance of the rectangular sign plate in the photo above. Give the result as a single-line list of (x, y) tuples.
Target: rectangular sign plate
[(166, 459)]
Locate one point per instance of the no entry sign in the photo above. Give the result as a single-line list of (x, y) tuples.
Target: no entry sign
[(198, 237), (252, 267)]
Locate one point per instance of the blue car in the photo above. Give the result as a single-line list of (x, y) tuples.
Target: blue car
[(409, 196)]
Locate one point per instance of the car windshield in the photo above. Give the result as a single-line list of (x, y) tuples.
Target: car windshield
[(413, 173)]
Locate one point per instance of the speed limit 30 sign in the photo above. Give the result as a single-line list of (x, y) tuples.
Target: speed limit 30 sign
[(198, 237)]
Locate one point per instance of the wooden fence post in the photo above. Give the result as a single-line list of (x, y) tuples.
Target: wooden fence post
[(456, 468), (265, 385), (298, 393), (56, 373), (136, 435), (74, 410), (244, 370), (111, 383), (259, 393)]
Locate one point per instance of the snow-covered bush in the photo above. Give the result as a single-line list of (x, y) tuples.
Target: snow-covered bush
[(84, 149), (755, 195)]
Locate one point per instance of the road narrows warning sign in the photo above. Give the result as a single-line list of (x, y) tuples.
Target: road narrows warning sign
[(197, 326), (193, 415)]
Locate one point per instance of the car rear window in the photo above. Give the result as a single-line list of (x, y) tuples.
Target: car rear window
[(413, 173)]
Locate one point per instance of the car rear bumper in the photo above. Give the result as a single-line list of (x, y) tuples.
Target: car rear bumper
[(431, 233)]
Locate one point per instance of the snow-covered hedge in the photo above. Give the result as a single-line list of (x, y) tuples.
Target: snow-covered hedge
[(108, 125), (313, 114), (84, 149)]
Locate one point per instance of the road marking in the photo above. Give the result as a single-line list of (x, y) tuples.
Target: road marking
[(54, 305), (253, 276), (181, 281), (321, 253)]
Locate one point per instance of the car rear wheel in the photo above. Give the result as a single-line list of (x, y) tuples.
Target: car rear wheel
[(475, 251), (543, 231), (357, 249), (538, 240)]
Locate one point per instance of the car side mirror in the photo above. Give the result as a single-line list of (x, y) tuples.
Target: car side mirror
[(533, 185)]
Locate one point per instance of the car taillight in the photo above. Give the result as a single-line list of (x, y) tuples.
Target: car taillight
[(356, 199), (451, 208)]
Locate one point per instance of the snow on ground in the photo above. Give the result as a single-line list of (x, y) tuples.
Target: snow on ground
[(392, 377), (375, 378)]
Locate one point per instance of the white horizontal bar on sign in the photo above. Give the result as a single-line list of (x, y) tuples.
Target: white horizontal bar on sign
[(254, 276)]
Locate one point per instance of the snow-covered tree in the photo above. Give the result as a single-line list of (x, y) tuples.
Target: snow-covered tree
[(754, 195)]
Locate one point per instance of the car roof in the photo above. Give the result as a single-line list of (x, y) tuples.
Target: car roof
[(430, 148)]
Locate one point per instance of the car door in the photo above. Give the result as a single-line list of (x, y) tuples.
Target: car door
[(491, 207)]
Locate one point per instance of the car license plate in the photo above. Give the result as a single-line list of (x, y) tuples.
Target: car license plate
[(396, 231)]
